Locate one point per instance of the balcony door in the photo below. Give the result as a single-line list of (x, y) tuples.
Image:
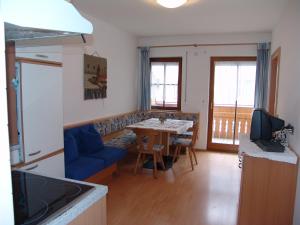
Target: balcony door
[(232, 87)]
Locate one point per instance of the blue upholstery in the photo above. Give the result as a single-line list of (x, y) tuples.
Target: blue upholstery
[(71, 149), (85, 154), (84, 167), (109, 155), (90, 142), (76, 133)]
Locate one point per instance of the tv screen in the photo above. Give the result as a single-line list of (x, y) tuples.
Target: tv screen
[(263, 124)]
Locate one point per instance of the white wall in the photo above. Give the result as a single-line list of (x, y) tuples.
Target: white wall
[(196, 80), (287, 36), (120, 50)]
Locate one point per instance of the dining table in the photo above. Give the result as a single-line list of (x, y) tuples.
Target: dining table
[(166, 128)]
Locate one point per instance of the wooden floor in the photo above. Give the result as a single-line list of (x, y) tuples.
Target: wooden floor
[(206, 196)]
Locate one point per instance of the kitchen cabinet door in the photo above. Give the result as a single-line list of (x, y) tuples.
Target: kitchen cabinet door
[(42, 111), (51, 53), (52, 166)]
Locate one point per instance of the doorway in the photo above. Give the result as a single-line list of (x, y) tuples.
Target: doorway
[(273, 95), (231, 101)]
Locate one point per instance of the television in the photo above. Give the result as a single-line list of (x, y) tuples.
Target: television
[(262, 126)]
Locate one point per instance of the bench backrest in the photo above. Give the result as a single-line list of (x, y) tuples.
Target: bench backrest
[(113, 124)]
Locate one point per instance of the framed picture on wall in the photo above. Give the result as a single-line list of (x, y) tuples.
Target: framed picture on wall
[(95, 77)]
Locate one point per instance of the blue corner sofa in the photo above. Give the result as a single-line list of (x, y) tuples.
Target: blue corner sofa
[(87, 157), (85, 153)]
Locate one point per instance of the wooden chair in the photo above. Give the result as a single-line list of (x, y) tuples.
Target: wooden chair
[(188, 144), (146, 146)]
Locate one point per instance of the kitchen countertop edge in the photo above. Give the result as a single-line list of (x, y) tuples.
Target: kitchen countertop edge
[(79, 207)]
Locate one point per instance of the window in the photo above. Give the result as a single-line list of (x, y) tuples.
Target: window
[(235, 81), (166, 83)]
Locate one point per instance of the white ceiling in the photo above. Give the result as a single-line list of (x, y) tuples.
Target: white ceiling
[(146, 18)]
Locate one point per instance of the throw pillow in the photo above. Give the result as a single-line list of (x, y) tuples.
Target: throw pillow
[(90, 142)]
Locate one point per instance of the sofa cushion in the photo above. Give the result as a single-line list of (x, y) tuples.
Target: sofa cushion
[(109, 154), (77, 130), (187, 134), (124, 140), (83, 167), (70, 148), (183, 141), (90, 142)]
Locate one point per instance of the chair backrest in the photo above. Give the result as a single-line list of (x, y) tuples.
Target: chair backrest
[(195, 134), (145, 138)]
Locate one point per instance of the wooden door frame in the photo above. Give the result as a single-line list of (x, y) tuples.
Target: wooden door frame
[(10, 54), (213, 60), (274, 81)]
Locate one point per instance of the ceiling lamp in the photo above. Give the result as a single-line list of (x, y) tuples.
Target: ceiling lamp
[(171, 3)]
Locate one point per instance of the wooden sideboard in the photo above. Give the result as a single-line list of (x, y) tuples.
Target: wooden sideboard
[(268, 187), (95, 215)]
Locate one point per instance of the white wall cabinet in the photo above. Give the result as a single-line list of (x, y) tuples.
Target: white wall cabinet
[(45, 53), (42, 112)]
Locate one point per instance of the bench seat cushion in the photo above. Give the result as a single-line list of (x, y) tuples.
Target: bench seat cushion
[(183, 141), (84, 167), (187, 134), (109, 155), (123, 141)]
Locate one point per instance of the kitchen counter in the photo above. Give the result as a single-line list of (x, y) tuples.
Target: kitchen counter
[(71, 209)]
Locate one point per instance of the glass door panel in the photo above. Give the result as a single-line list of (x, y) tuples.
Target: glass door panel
[(171, 82), (225, 89), (232, 104), (245, 98), (157, 81)]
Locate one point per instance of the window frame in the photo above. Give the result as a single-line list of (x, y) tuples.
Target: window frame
[(166, 60)]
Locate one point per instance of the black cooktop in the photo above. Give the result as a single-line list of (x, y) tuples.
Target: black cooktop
[(37, 197)]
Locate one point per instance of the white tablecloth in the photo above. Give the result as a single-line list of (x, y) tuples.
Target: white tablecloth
[(170, 125)]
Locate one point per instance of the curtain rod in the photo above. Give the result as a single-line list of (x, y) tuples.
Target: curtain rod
[(198, 45)]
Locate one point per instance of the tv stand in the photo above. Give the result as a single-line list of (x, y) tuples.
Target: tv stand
[(268, 185)]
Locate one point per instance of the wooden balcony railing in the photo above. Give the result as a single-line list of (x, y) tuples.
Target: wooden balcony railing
[(223, 121)]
